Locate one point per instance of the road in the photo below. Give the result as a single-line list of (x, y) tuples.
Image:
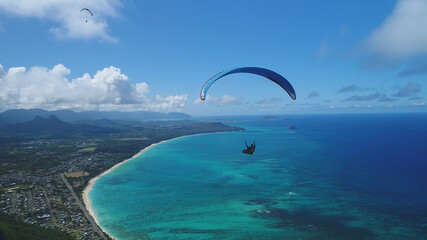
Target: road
[(14, 197), (30, 202), (50, 207), (88, 216)]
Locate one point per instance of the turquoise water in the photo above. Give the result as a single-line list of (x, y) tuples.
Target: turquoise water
[(327, 179)]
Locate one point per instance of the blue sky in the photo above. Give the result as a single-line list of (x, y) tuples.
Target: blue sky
[(340, 56)]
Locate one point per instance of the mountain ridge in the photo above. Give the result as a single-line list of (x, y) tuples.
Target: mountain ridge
[(53, 125), (25, 115)]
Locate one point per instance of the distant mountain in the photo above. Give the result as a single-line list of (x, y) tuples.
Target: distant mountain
[(24, 115), (42, 125), (52, 125), (132, 116), (4, 121), (116, 124)]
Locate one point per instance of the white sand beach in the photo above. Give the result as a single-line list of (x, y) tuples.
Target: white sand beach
[(92, 181), (88, 188)]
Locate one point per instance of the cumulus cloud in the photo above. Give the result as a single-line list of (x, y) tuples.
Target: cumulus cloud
[(409, 91), (197, 101), (69, 21), (370, 97), (351, 88), (108, 89), (313, 94), (268, 100), (142, 88), (218, 101), (170, 102), (223, 100), (402, 35)]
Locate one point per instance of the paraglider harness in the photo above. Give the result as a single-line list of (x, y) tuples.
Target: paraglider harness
[(249, 149)]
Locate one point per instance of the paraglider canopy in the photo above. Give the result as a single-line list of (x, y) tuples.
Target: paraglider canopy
[(273, 76), (87, 11)]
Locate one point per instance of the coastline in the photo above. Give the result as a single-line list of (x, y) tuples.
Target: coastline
[(85, 194)]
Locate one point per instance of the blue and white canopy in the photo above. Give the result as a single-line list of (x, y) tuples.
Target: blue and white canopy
[(273, 76)]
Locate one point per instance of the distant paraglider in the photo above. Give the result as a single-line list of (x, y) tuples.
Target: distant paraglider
[(273, 76), (87, 11)]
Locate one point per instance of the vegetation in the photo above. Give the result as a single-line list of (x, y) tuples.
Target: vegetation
[(89, 149), (14, 230), (45, 142), (34, 155), (76, 174)]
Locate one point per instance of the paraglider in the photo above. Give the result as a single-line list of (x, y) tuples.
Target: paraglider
[(87, 10), (249, 149), (273, 76)]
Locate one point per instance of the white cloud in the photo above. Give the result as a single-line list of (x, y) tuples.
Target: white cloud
[(219, 101), (108, 89), (268, 100), (170, 102), (197, 101), (142, 88), (403, 34), (71, 23), (224, 100), (1, 70), (423, 103)]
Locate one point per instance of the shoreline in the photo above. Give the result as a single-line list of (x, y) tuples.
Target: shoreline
[(85, 194)]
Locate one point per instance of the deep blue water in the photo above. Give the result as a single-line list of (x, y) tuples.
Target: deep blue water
[(352, 176)]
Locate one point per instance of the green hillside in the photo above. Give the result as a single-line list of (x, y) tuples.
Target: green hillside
[(13, 230)]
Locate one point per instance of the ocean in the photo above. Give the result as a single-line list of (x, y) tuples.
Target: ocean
[(344, 176)]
